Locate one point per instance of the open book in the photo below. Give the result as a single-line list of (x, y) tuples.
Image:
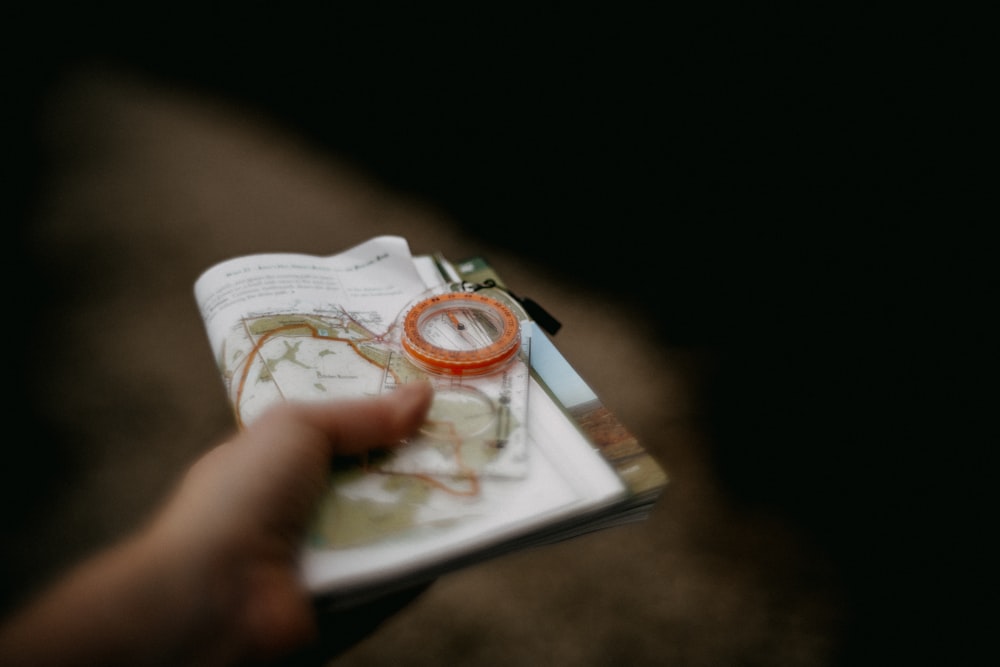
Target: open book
[(517, 450)]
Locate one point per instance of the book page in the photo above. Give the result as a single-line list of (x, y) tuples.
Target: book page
[(567, 478), (302, 327), (376, 278)]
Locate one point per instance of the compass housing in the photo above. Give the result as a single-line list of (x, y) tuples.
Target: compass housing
[(460, 333)]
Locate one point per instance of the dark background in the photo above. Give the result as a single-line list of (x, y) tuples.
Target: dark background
[(768, 186)]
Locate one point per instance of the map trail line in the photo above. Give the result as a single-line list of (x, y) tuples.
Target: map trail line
[(466, 473)]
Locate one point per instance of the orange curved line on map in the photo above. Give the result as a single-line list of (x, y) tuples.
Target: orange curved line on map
[(473, 479), (466, 473), (255, 351)]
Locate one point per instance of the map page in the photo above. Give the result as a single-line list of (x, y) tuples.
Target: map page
[(490, 463)]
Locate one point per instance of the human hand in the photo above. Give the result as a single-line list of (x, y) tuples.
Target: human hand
[(213, 579)]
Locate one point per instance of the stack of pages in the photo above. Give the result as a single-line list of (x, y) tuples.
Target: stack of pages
[(517, 450)]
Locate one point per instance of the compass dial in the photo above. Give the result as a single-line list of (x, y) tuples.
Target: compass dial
[(460, 333)]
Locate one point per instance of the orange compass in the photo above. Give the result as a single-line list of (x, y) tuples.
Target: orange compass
[(461, 333)]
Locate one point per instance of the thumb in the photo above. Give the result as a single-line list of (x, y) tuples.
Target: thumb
[(351, 426)]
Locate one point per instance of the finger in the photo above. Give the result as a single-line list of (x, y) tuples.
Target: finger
[(349, 426), (357, 426)]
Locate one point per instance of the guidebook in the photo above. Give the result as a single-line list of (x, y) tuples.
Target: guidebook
[(516, 450)]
